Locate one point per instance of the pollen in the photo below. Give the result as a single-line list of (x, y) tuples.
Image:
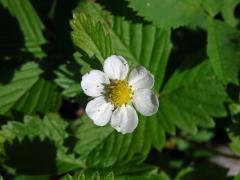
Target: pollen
[(119, 93)]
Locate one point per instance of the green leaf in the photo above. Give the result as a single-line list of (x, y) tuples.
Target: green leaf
[(122, 149), (146, 45), (228, 12), (167, 13), (142, 172), (104, 147), (224, 51), (89, 176), (140, 44), (237, 177), (42, 97), (30, 24), (91, 36), (69, 76), (22, 177), (157, 133), (139, 172), (85, 66), (234, 136), (183, 172), (202, 136), (89, 136), (213, 6), (52, 127), (190, 98), (39, 143), (29, 93), (164, 176), (22, 81), (235, 143)]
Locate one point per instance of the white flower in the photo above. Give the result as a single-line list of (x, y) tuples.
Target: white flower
[(114, 92)]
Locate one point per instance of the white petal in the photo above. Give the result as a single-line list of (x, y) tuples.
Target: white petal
[(116, 67), (124, 119), (145, 102), (141, 78), (94, 82), (99, 110)]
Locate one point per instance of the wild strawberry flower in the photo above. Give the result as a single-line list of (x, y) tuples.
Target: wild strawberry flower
[(114, 92)]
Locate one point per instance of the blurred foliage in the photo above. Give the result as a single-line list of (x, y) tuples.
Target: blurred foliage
[(191, 46)]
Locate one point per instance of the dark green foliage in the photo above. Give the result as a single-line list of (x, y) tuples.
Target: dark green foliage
[(192, 47)]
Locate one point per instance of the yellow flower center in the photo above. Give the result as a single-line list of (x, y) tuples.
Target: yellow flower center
[(119, 92)]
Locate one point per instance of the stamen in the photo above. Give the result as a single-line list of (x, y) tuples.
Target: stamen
[(119, 92)]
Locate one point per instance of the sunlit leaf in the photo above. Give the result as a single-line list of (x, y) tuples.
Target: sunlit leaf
[(22, 81), (90, 36)]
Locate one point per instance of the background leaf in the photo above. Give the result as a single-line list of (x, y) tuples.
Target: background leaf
[(190, 98), (167, 13), (223, 50)]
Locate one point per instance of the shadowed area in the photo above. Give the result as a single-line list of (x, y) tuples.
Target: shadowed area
[(31, 157)]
